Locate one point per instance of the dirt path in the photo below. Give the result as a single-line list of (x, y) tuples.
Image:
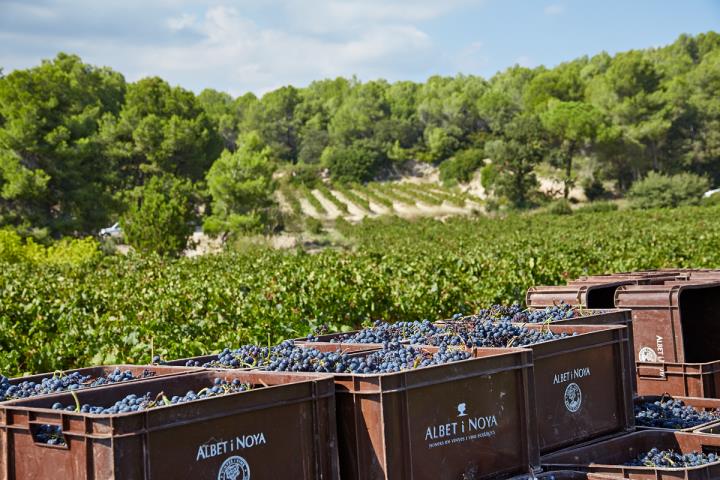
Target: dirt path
[(204, 244), (475, 187), (380, 209), (332, 211), (376, 208), (421, 209), (282, 201), (308, 209), (355, 212)]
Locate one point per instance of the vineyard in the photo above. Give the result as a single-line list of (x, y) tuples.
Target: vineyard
[(356, 202), (111, 309)]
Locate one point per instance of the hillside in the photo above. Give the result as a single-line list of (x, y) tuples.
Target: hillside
[(406, 199)]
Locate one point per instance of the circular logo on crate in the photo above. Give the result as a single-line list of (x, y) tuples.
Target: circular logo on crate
[(234, 468), (647, 354), (573, 397)]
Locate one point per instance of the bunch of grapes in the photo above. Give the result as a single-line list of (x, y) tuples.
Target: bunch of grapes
[(288, 357), (672, 459), (382, 332), (492, 334), (563, 311), (515, 313), (136, 403), (283, 357), (670, 413), (62, 382), (494, 313), (247, 356), (487, 333), (50, 434), (393, 357)]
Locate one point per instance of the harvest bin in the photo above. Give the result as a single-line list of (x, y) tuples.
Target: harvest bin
[(674, 322), (583, 385), (286, 429), (608, 457), (588, 295), (143, 372), (679, 379), (594, 363), (608, 316), (605, 316), (699, 275), (472, 417), (698, 403), (594, 291)]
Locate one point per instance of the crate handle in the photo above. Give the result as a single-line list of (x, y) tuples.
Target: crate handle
[(36, 431)]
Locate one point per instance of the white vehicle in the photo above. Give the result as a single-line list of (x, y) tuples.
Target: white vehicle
[(114, 231), (710, 193)]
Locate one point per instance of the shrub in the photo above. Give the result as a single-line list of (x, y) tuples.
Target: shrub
[(313, 225), (241, 187), (350, 164), (159, 216), (488, 175), (304, 174), (594, 207), (594, 189), (663, 191), (560, 207), (65, 252), (461, 167)]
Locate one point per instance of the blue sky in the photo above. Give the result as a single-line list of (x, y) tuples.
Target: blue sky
[(258, 45)]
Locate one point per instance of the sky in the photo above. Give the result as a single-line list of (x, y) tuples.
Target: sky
[(259, 45)]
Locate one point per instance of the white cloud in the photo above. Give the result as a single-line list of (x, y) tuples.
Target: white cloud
[(181, 22), (554, 9), (236, 45), (260, 58)]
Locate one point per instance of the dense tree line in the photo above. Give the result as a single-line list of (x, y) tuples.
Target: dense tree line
[(80, 146)]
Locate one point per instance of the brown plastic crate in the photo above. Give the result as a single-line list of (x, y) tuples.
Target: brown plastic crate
[(674, 323), (95, 372), (284, 430), (608, 457), (606, 406), (679, 379), (594, 291), (472, 417), (698, 403), (589, 295), (699, 275), (609, 316), (561, 368)]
